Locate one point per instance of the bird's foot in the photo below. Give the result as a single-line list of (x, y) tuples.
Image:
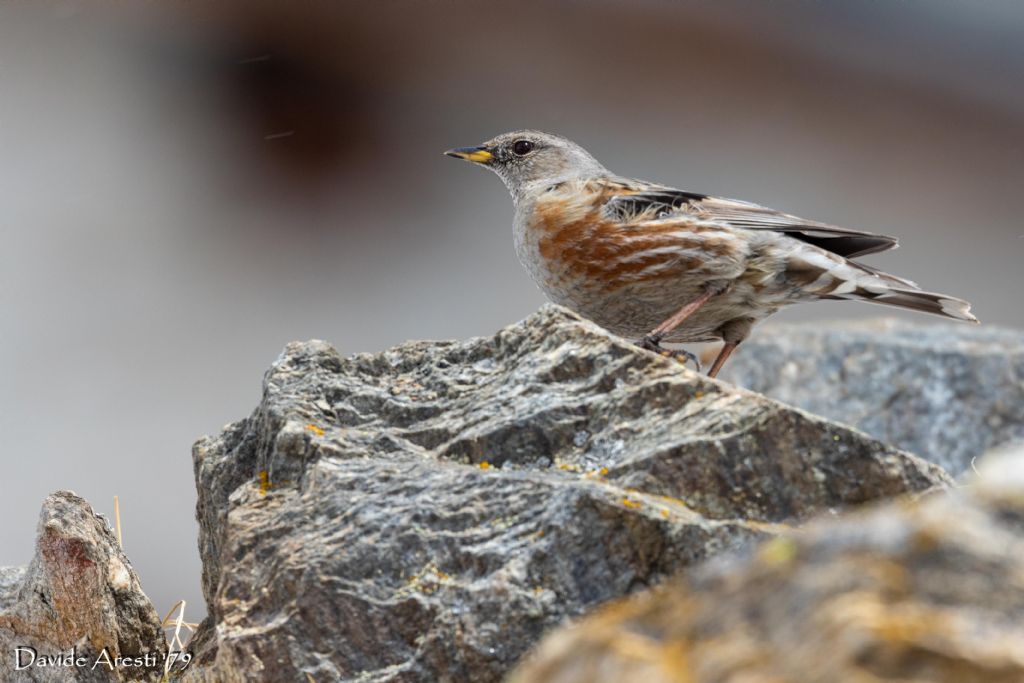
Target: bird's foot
[(653, 343), (682, 356)]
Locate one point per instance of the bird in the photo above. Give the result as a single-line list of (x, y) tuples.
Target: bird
[(660, 265)]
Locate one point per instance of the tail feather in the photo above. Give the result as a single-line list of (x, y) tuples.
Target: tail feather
[(829, 276), (917, 300)]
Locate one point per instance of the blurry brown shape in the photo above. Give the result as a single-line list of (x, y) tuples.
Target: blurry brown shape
[(305, 114), (295, 83)]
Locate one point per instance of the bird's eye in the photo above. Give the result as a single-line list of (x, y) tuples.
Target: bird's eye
[(522, 147)]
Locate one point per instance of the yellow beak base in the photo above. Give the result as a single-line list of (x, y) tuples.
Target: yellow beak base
[(478, 155)]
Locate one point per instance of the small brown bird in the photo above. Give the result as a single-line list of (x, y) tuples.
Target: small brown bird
[(657, 264)]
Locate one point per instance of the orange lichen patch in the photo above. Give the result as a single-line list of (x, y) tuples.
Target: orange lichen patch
[(597, 474), (630, 503), (485, 465), (568, 467), (427, 580), (265, 484), (316, 430), (664, 513)]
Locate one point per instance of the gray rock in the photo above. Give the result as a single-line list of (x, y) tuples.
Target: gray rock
[(946, 392), (11, 579), (930, 590), (426, 513), (78, 594)]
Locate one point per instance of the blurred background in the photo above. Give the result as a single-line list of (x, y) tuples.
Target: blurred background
[(185, 188)]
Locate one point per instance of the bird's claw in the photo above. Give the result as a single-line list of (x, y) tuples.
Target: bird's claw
[(652, 343), (682, 356)]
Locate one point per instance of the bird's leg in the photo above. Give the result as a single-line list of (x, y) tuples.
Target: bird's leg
[(681, 315), (652, 341), (723, 356)]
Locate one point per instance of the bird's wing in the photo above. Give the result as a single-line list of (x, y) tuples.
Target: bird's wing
[(632, 200)]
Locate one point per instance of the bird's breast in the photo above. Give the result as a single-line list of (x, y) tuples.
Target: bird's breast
[(567, 242)]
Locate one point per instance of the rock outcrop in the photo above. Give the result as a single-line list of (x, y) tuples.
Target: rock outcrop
[(78, 596), (930, 590), (945, 392), (426, 513)]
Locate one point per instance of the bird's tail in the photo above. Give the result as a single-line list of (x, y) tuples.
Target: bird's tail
[(916, 300), (829, 276)]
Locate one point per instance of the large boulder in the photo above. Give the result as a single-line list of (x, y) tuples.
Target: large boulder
[(928, 591), (426, 513), (946, 392), (77, 612)]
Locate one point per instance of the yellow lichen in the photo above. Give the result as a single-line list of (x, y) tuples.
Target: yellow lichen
[(778, 551), (485, 465), (316, 430), (427, 580), (673, 501)]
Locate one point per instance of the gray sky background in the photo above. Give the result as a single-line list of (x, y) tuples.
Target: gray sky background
[(183, 191)]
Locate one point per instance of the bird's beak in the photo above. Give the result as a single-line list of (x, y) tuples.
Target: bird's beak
[(480, 155)]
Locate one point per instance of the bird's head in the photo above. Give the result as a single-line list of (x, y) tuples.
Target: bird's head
[(529, 158)]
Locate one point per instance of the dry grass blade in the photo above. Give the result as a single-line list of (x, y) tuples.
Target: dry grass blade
[(177, 623), (117, 522)]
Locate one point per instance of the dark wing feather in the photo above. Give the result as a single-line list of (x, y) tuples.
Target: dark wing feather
[(632, 200), (649, 204)]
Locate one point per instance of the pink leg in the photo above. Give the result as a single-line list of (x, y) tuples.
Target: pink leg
[(723, 356), (659, 332), (652, 342)]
